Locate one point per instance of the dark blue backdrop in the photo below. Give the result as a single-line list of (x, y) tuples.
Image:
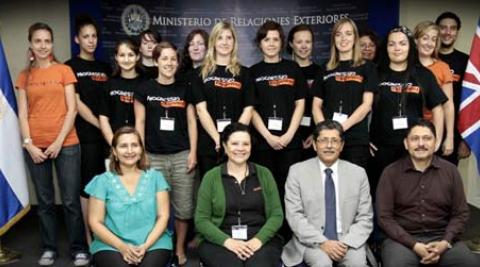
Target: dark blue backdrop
[(174, 19)]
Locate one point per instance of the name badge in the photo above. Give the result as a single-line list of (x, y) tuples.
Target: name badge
[(339, 117), (400, 123), (306, 121), (239, 232), (222, 123), (275, 124), (167, 124)]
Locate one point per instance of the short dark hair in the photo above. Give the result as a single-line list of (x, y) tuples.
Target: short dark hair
[(328, 125), (149, 32), (83, 20), (142, 164), (157, 51), (232, 128), (269, 25), (298, 28), (449, 15), (422, 123)]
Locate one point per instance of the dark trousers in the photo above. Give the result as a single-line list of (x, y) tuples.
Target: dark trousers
[(67, 166), (207, 162), (279, 162), (384, 156), (153, 258), (92, 162), (356, 154), (213, 255), (395, 254)]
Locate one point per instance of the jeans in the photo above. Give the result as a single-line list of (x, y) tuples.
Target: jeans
[(67, 166)]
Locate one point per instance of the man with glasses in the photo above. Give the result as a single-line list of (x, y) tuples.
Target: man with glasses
[(421, 206), (327, 205)]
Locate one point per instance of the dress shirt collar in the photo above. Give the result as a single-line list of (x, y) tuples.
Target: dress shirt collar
[(334, 167), (408, 163)]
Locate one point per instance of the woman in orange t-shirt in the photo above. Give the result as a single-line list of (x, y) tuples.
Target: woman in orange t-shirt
[(428, 44), (47, 110)]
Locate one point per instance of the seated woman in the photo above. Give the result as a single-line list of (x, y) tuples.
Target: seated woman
[(238, 208), (129, 208)]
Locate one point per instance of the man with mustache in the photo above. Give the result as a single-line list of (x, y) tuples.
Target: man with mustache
[(327, 205), (421, 206)]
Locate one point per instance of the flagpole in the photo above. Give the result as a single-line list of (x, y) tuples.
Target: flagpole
[(8, 256)]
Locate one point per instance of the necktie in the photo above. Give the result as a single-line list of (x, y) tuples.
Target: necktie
[(330, 207)]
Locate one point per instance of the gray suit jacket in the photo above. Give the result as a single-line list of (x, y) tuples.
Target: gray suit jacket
[(305, 208)]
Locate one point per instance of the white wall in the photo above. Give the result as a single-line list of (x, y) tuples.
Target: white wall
[(414, 11), (17, 15)]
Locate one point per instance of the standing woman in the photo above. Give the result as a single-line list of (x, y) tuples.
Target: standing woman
[(223, 93), (116, 109), (129, 208), (300, 44), (369, 45), (165, 118), (281, 88), (428, 45), (47, 110), (238, 210), (344, 91), (148, 40), (404, 88), (195, 49), (92, 76)]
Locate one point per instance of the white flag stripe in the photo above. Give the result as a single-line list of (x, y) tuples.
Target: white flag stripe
[(471, 129), (12, 162), (473, 70), (473, 96)]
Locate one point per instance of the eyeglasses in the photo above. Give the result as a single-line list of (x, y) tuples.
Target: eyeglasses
[(326, 141), (402, 29)]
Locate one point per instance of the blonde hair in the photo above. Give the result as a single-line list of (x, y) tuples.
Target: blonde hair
[(422, 28), (356, 56), (209, 63)]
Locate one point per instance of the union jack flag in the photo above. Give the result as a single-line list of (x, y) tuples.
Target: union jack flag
[(469, 118)]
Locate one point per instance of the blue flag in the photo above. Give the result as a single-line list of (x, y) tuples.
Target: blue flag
[(14, 202)]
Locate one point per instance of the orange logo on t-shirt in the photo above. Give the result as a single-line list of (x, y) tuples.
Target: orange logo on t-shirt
[(99, 78), (347, 78), (280, 82), (410, 89), (228, 84), (173, 104), (126, 99)]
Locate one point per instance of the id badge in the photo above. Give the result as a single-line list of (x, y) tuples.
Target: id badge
[(306, 121), (222, 123), (275, 124), (167, 124), (400, 123), (339, 117), (239, 232)]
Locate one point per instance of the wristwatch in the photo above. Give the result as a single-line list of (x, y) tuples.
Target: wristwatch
[(26, 141)]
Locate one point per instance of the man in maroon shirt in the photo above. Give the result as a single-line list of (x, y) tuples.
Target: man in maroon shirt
[(421, 206)]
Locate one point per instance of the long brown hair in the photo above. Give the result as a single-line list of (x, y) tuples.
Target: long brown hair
[(142, 164), (356, 55)]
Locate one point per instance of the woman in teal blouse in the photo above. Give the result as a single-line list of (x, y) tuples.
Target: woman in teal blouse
[(129, 208), (238, 208)]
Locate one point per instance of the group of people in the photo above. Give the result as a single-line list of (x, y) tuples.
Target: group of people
[(280, 138)]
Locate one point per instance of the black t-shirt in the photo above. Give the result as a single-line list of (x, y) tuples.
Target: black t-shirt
[(164, 101), (343, 88), (149, 72), (246, 198), (310, 72), (458, 63), (278, 86), (91, 76), (421, 90), (117, 101), (226, 97)]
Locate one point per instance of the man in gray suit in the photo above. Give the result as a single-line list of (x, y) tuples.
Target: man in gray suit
[(327, 205)]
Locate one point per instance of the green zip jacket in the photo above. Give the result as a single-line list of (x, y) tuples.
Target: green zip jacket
[(210, 211)]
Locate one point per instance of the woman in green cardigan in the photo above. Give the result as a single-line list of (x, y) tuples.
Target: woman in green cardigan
[(238, 209)]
